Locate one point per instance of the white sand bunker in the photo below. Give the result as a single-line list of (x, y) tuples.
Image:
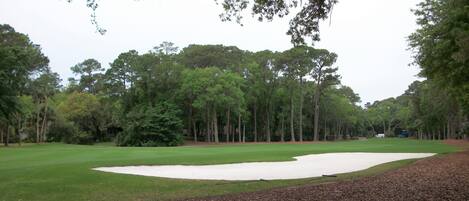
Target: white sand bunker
[(313, 165)]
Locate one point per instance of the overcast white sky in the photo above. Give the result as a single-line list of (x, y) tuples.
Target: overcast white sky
[(368, 35)]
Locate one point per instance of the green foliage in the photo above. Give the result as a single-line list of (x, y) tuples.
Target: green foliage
[(217, 90), (157, 125), (19, 58), (441, 45), (27, 106), (426, 110), (121, 76), (64, 131), (84, 110), (90, 72), (441, 50), (207, 84), (304, 24), (201, 56)]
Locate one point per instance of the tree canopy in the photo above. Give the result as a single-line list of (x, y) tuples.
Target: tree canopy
[(304, 24), (441, 45), (215, 93)]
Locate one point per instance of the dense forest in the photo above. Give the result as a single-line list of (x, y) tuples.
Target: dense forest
[(217, 93)]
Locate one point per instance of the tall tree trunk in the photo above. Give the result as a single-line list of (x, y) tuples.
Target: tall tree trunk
[(233, 130), (255, 122), (282, 133), (44, 121), (38, 132), (384, 127), (227, 129), (189, 122), (268, 125), (389, 128), (372, 127), (325, 129), (301, 110), (239, 127), (444, 131), (215, 126), (18, 128), (317, 93), (195, 131), (292, 129), (208, 126), (1, 135), (316, 112), (7, 140), (439, 134), (449, 129), (339, 127), (244, 132)]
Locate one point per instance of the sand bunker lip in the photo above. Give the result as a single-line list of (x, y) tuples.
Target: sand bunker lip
[(313, 165)]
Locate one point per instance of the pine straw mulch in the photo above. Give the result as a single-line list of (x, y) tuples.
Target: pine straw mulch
[(443, 177)]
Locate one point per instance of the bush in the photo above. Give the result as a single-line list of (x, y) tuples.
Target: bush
[(61, 131), (152, 126), (83, 138), (65, 131)]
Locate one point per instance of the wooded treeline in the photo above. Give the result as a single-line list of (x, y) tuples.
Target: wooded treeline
[(209, 93), (219, 93)]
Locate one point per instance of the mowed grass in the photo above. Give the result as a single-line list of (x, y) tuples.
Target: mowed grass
[(52, 172)]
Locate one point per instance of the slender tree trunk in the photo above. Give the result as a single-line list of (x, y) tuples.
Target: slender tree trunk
[(239, 128), (316, 112), (18, 128), (282, 133), (384, 127), (301, 110), (389, 128), (7, 140), (44, 121), (449, 129), (325, 129), (37, 125), (1, 135), (427, 134), (227, 130), (233, 131), (195, 131), (215, 125), (208, 126), (444, 131), (255, 122), (244, 132), (189, 122), (268, 125), (292, 129), (372, 127), (339, 128)]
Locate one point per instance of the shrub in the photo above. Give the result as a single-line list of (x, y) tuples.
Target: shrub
[(83, 138), (61, 131), (152, 126), (68, 132)]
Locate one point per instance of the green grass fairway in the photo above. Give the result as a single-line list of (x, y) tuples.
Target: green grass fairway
[(52, 172)]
